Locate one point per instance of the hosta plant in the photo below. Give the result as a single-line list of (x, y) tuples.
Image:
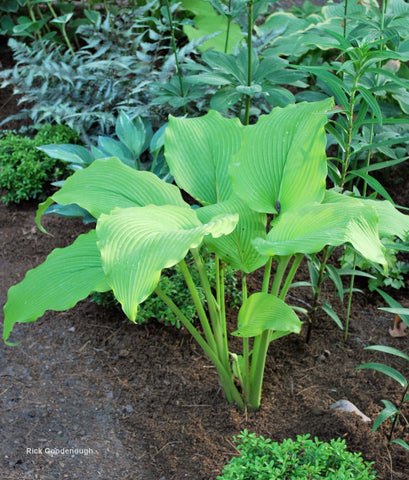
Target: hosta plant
[(237, 174)]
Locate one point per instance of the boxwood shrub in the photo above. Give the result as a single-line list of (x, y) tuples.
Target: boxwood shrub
[(301, 459), (26, 172)]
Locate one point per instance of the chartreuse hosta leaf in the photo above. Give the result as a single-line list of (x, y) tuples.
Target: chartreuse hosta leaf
[(137, 243), (108, 183), (67, 276), (391, 221), (262, 311), (309, 229), (199, 150), (282, 160), (236, 249)]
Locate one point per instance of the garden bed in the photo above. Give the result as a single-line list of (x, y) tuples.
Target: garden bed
[(143, 402), (147, 402)]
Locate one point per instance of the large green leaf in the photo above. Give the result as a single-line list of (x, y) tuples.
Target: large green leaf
[(262, 311), (311, 228), (199, 150), (282, 160), (67, 276), (236, 249), (137, 243), (74, 154), (207, 22), (108, 183), (391, 221)]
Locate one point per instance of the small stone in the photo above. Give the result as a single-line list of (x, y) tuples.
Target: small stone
[(324, 355), (347, 406), (317, 411)]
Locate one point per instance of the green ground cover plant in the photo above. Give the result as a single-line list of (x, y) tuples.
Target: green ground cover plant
[(240, 174), (25, 172), (262, 459)]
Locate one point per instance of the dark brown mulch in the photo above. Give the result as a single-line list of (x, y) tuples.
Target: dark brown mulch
[(143, 402)]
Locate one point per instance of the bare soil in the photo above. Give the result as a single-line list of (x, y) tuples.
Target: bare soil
[(144, 403)]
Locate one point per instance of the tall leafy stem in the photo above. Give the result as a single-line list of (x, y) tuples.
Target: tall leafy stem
[(229, 20), (367, 164), (356, 85), (175, 52), (61, 22), (249, 54)]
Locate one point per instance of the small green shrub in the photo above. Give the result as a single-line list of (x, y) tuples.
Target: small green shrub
[(24, 170), (173, 285), (262, 459)]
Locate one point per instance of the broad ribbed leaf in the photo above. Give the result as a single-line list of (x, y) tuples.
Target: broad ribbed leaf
[(137, 243), (391, 221), (67, 276), (74, 154), (311, 228), (107, 184), (282, 158), (113, 148), (131, 134), (208, 23), (261, 312), (236, 249), (198, 152)]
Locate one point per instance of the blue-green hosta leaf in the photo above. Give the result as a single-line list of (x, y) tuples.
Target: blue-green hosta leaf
[(107, 184), (67, 276), (137, 243), (309, 229), (74, 154), (131, 134), (236, 249), (262, 311), (391, 221), (199, 150), (113, 148), (282, 158)]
